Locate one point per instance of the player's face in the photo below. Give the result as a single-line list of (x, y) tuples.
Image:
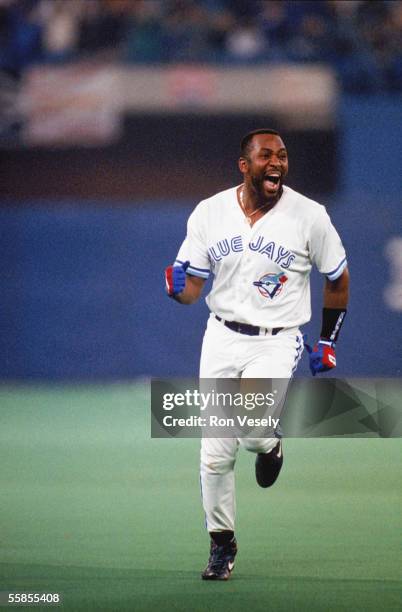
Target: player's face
[(266, 166)]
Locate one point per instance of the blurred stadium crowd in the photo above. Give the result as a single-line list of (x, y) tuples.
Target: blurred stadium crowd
[(360, 39)]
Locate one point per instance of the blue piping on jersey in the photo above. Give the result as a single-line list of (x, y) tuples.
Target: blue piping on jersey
[(195, 272), (338, 270), (299, 352), (201, 272)]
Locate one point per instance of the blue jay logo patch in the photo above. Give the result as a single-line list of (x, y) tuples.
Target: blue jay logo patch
[(270, 285)]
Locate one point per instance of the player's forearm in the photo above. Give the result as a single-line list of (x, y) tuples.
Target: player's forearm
[(191, 292), (336, 293), (185, 297)]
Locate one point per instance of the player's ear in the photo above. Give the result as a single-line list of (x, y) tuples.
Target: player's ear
[(243, 165)]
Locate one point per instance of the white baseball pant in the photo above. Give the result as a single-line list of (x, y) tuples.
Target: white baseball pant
[(229, 354)]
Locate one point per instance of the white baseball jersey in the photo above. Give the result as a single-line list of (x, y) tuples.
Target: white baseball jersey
[(261, 273)]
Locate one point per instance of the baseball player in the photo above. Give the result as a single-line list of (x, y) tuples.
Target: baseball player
[(259, 240)]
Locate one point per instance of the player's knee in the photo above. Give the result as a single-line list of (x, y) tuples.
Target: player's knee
[(217, 465), (253, 447), (263, 445)]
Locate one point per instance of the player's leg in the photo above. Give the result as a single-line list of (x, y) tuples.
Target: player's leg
[(218, 456), (276, 358)]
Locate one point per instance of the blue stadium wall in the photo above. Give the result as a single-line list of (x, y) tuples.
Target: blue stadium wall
[(82, 284)]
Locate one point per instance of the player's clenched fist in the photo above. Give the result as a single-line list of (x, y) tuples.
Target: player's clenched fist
[(175, 277), (322, 356)]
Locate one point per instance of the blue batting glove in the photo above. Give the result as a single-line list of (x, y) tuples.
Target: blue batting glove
[(175, 278), (322, 356)]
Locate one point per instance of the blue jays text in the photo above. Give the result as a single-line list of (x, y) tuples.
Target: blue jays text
[(277, 253)]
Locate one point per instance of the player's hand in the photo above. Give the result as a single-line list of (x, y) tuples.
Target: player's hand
[(322, 356), (175, 277)]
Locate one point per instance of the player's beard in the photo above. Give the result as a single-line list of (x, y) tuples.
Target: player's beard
[(264, 197)]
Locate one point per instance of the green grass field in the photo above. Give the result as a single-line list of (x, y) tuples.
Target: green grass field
[(93, 508)]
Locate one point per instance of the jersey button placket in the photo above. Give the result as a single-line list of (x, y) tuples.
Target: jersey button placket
[(242, 282)]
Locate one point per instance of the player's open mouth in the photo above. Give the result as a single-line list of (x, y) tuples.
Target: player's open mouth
[(271, 181)]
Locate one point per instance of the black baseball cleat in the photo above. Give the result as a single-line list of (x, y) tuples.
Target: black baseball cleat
[(221, 561), (268, 466)]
